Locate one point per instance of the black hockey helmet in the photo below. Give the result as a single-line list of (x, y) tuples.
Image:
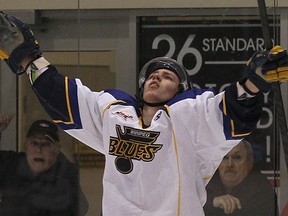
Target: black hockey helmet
[(164, 63)]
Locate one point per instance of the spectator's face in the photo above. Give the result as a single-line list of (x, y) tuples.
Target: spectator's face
[(161, 85), (235, 166), (41, 153)]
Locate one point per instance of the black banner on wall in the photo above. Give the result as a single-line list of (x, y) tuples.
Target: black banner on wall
[(214, 54)]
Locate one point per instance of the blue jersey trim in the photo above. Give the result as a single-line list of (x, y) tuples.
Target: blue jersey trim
[(125, 97), (72, 107), (193, 93)]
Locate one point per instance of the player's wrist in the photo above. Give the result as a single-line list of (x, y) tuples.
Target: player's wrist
[(248, 86), (36, 68)]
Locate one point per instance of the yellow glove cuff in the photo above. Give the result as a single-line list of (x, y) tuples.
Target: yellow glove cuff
[(276, 49)]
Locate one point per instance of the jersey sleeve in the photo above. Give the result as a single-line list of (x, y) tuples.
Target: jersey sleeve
[(73, 106), (213, 124), (236, 118), (239, 116)]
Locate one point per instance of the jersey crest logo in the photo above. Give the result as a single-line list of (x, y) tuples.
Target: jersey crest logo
[(133, 144)]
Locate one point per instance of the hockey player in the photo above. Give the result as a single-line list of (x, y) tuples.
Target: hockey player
[(162, 148)]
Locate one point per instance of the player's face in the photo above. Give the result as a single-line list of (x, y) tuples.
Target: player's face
[(41, 153), (161, 85), (235, 166)]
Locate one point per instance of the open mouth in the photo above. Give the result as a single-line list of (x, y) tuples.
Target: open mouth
[(154, 84), (38, 159)]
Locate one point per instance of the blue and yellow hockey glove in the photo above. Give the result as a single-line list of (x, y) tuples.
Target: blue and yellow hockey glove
[(276, 69), (265, 67), (17, 42)]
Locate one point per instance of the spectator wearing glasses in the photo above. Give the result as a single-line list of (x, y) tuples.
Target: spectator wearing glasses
[(40, 181), (238, 189)]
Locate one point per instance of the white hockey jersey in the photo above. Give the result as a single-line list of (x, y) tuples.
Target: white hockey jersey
[(161, 170)]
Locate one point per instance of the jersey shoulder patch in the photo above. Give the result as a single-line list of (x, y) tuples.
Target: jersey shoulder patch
[(124, 97), (192, 94)]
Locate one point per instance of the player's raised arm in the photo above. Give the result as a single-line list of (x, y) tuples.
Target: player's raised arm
[(60, 96), (57, 93)]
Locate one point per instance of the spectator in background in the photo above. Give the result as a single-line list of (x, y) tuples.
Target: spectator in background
[(40, 182), (237, 189)]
